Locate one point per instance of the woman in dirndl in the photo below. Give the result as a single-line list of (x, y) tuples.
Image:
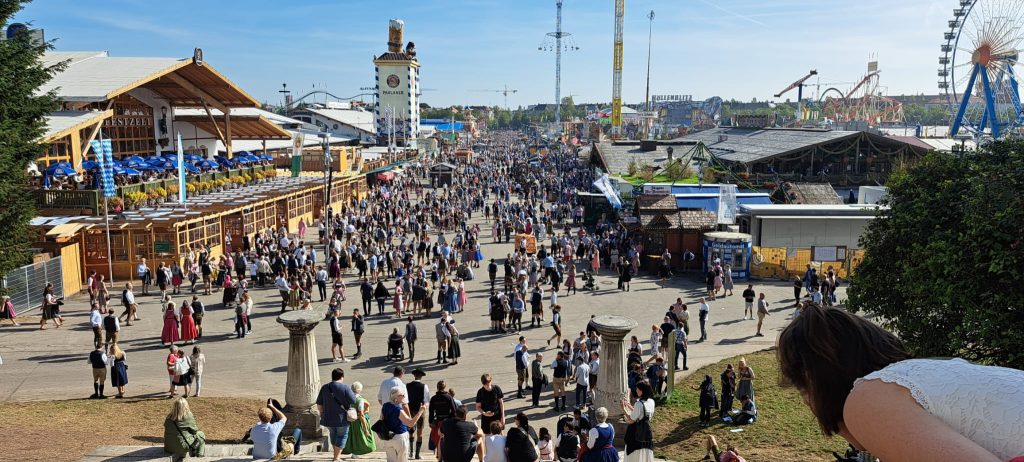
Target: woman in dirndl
[(360, 438), (595, 260), (463, 298), (570, 279), (118, 370), (454, 352), (601, 440), (170, 332), (188, 324), (478, 254)]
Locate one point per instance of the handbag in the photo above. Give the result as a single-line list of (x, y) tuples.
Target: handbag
[(193, 447), (350, 413), (638, 434), (382, 430)]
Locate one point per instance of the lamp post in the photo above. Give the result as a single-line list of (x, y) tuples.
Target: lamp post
[(328, 176)]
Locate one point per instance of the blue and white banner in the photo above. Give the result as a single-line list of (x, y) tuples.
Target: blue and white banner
[(181, 171), (604, 185), (104, 151), (727, 204)]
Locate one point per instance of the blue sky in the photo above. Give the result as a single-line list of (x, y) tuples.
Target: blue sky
[(731, 48)]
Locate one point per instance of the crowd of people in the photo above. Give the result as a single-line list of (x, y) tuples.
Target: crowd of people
[(409, 250)]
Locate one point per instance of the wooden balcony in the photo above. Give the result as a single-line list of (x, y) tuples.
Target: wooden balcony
[(88, 201)]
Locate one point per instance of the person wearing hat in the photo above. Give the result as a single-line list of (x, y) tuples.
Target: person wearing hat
[(419, 397)]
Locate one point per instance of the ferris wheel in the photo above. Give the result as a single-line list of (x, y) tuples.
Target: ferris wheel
[(979, 68)]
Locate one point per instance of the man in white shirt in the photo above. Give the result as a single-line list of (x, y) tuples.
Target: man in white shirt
[(384, 393), (96, 322), (582, 375), (282, 288), (142, 271)]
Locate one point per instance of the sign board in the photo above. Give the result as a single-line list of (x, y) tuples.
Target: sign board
[(162, 246), (727, 204), (658, 98), (828, 253), (657, 189)]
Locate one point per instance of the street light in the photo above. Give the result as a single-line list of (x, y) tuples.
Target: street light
[(328, 176)]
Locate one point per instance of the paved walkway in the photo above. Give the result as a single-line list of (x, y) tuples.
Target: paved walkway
[(51, 364)]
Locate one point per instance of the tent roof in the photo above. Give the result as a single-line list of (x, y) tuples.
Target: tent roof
[(746, 145), (362, 120), (242, 127), (62, 123), (95, 77)]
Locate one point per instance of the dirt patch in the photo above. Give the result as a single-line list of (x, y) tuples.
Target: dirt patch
[(67, 430)]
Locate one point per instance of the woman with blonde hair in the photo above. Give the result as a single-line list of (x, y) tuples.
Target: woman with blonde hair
[(118, 370), (360, 439), (745, 374), (182, 437), (397, 420)]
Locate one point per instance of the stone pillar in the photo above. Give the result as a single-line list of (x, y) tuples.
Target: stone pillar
[(611, 376), (303, 382)]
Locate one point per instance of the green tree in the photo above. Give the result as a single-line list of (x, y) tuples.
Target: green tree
[(943, 263), (22, 124)]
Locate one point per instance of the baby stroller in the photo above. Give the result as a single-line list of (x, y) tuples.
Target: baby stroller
[(396, 349), (588, 280)]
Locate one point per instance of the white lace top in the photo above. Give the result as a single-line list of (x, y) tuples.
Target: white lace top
[(983, 403)]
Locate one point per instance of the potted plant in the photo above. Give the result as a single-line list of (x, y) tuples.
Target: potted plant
[(116, 204), (191, 188)]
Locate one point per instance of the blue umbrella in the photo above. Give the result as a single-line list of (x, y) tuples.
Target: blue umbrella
[(129, 171), (60, 169), (242, 159), (133, 161), (163, 164), (90, 165), (192, 157), (207, 164), (265, 157), (192, 168), (226, 162)]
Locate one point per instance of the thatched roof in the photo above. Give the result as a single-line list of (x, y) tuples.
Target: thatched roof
[(657, 202), (811, 193)]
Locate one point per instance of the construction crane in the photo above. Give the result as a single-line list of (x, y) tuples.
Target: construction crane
[(504, 93), (620, 14), (799, 85)]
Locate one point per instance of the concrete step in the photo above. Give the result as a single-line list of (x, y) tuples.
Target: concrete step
[(214, 453), (225, 453)]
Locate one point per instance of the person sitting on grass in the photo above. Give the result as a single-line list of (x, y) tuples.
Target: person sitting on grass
[(748, 412), (712, 450)]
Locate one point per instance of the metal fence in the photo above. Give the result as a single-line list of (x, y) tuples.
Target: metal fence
[(25, 285)]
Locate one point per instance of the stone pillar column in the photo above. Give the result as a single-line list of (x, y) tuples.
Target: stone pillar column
[(611, 376), (303, 382)]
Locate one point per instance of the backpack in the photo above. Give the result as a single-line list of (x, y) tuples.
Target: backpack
[(568, 446)]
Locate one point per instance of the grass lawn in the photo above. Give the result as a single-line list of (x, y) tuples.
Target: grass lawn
[(68, 429), (785, 430)]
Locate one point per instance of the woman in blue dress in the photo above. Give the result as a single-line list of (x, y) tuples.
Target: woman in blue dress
[(118, 370), (451, 299), (601, 440)]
